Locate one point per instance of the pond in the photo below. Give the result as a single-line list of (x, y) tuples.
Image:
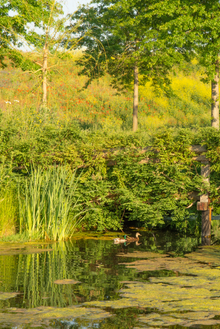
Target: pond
[(165, 280)]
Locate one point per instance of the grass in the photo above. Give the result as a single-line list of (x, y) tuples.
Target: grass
[(46, 208), (17, 237), (8, 213), (8, 201)]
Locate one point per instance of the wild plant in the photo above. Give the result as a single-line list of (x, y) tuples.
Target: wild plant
[(47, 206), (8, 200)]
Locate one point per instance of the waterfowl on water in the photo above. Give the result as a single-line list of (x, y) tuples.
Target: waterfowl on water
[(119, 240), (131, 239)]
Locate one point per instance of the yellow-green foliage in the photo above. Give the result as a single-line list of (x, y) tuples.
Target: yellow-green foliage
[(99, 106), (190, 104), (8, 212)]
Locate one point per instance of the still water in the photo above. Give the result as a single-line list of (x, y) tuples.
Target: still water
[(92, 283)]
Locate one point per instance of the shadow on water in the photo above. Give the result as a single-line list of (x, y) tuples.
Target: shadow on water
[(98, 271)]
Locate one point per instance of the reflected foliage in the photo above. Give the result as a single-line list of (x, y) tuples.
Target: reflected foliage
[(95, 263)]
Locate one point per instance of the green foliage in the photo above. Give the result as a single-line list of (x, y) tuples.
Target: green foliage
[(46, 206), (118, 180), (13, 27), (8, 201), (121, 176), (121, 37), (190, 27), (99, 106)]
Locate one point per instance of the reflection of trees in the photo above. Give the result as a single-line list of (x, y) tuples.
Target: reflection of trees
[(8, 272), (92, 262)]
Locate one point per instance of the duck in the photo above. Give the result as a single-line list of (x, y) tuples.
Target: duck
[(119, 240), (132, 239)]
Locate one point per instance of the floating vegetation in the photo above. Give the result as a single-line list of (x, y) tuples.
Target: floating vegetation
[(66, 281), (22, 248), (43, 315), (189, 298), (82, 284), (143, 254), (209, 255), (7, 295)]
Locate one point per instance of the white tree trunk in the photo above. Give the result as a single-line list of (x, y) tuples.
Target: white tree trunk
[(215, 99), (135, 102)]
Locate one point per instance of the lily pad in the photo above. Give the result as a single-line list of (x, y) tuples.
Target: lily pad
[(22, 248), (162, 320), (194, 290), (143, 254), (183, 319), (43, 315), (178, 265), (7, 295), (206, 255), (66, 281)]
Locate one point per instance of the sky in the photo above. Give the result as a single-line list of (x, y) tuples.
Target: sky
[(70, 6)]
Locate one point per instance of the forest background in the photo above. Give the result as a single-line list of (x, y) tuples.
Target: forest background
[(69, 158)]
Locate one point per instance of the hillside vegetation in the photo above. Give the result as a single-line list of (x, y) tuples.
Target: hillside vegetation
[(77, 165), (99, 106)]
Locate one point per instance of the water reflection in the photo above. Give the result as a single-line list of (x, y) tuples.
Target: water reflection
[(94, 265)]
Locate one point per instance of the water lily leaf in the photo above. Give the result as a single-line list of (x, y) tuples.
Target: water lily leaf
[(193, 315), (203, 323), (195, 288), (42, 315), (206, 255), (162, 320), (143, 254), (7, 295), (66, 281), (180, 319), (22, 248), (178, 265)]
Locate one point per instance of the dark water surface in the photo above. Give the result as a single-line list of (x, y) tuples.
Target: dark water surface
[(105, 291)]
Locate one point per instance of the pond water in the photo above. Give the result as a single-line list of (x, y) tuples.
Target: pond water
[(164, 281)]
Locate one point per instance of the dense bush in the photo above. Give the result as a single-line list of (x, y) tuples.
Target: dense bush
[(121, 177)]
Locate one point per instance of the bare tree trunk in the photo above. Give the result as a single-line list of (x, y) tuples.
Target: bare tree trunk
[(135, 103), (215, 99), (44, 75)]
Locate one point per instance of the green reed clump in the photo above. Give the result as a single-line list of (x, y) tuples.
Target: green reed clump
[(8, 200), (47, 204)]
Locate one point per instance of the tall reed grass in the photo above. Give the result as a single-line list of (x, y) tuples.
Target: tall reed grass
[(8, 200), (46, 207)]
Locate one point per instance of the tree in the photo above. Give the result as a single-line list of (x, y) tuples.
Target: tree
[(47, 42), (122, 43), (194, 27), (14, 17), (14, 29)]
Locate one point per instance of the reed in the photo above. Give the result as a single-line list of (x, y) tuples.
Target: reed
[(8, 200), (48, 206)]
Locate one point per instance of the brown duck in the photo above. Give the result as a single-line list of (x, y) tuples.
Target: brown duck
[(132, 239)]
